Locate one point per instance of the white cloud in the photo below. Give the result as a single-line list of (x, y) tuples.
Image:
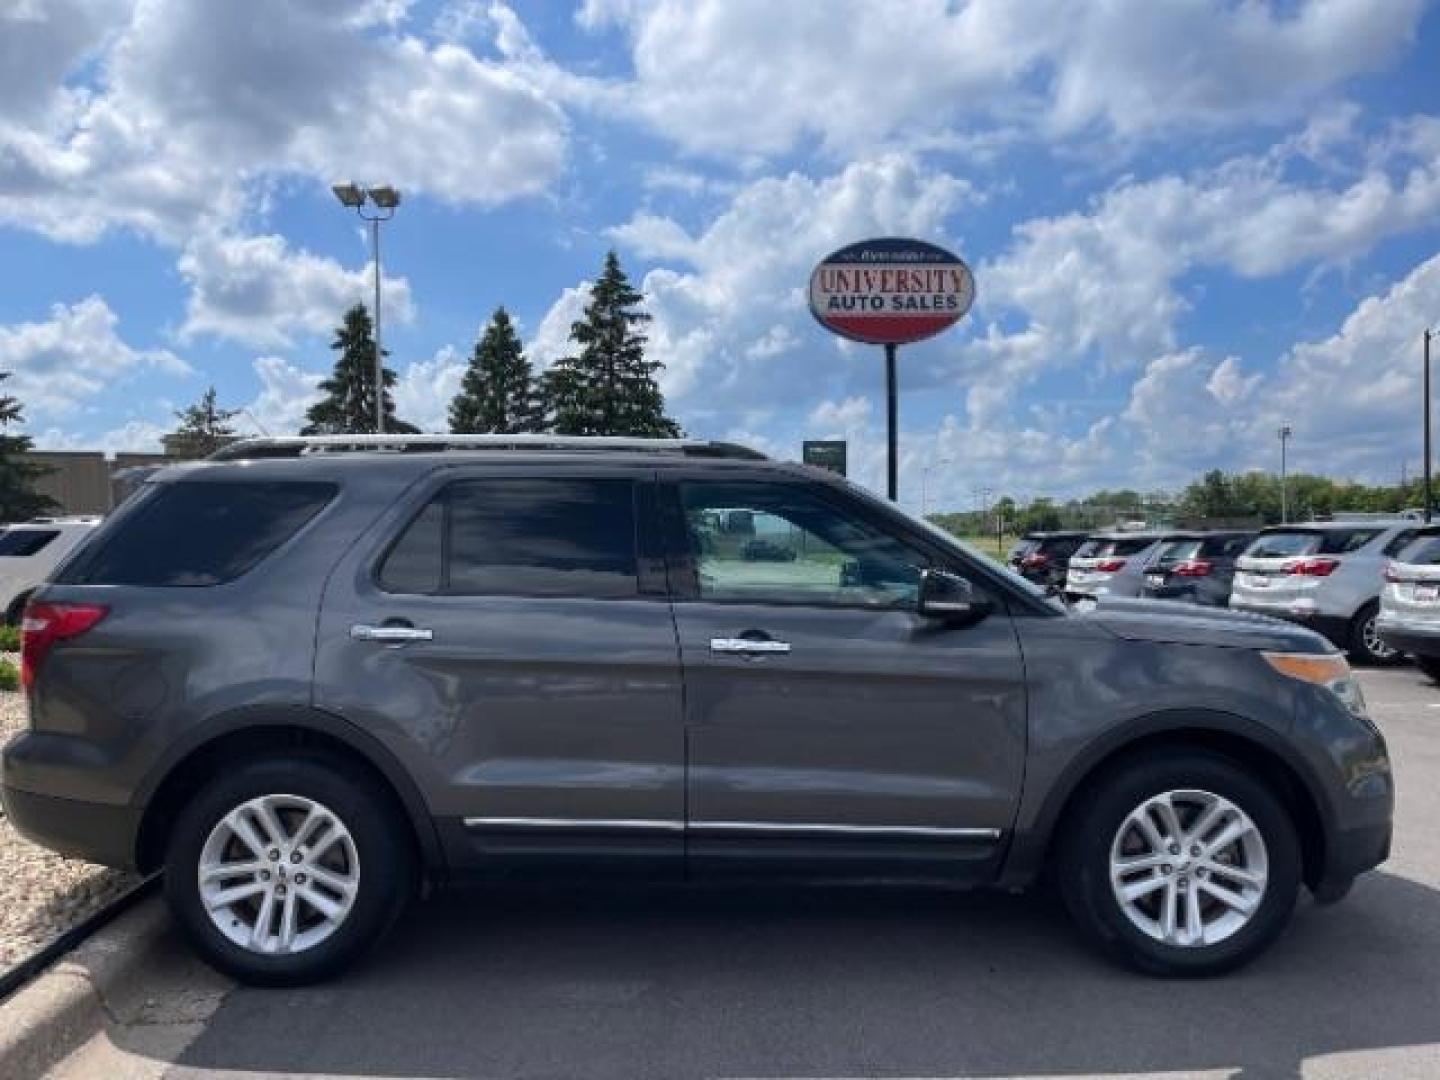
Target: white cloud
[(74, 358), (194, 100), (753, 77), (134, 436), (424, 389), (258, 290), (286, 392), (551, 339)]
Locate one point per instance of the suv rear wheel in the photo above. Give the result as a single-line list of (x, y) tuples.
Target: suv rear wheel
[(1366, 644), (283, 871), (1181, 864)]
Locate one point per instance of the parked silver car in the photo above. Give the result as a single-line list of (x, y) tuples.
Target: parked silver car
[(1112, 564), (1325, 575), (1410, 602)]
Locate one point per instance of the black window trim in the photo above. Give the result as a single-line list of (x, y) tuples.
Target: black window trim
[(445, 480)]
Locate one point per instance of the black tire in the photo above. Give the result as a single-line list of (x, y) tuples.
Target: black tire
[(1361, 632), (387, 866), (1083, 865), (1430, 665)]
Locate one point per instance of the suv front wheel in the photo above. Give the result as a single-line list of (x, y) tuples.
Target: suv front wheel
[(1181, 864), (285, 870)]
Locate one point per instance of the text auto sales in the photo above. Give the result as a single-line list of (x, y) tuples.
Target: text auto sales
[(891, 288)]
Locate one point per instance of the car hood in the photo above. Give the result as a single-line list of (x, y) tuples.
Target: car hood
[(1169, 622)]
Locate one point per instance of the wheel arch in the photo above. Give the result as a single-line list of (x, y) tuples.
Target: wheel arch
[(1249, 744), (253, 732)]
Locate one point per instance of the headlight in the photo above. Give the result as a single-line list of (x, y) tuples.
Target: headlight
[(1329, 671)]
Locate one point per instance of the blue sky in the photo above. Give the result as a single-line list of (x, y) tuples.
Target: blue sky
[(1189, 222)]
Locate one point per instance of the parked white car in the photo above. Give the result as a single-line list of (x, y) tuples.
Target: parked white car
[(30, 550), (1410, 604), (1112, 564)]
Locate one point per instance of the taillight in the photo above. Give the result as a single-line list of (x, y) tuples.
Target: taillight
[(1035, 562), (1110, 566), (46, 623), (1314, 567), (1193, 568), (1393, 574)]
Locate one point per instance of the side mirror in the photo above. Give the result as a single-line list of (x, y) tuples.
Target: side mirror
[(944, 595)]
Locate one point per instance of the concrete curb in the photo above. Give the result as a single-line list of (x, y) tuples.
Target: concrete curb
[(47, 1020)]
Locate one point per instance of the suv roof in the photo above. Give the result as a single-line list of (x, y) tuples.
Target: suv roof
[(1331, 526)]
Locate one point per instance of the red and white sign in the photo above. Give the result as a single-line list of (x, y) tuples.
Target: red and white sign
[(891, 291)]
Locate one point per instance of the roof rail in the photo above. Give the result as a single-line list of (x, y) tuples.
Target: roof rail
[(303, 445)]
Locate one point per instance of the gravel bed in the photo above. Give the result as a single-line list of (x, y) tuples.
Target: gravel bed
[(41, 894)]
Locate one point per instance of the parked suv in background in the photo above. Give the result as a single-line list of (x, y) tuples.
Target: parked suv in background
[(1324, 575), (1410, 602), (1043, 557), (30, 550), (1197, 567), (306, 677), (1111, 564)]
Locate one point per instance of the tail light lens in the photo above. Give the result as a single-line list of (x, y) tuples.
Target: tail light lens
[(1110, 566), (1314, 567), (45, 624), (1193, 568), (1035, 562), (1393, 574)]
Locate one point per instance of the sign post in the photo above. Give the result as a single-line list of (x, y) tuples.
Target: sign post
[(890, 292)]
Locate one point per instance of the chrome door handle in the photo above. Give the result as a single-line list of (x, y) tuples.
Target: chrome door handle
[(748, 646), (392, 635)]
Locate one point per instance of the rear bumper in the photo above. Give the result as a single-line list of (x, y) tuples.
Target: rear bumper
[(94, 832), (1415, 640), (41, 776)]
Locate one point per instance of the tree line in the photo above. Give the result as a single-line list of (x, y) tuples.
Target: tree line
[(606, 385), (1217, 497)]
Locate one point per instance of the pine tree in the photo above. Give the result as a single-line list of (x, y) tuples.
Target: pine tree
[(609, 388), (19, 501), (204, 428), (348, 407), (497, 394)]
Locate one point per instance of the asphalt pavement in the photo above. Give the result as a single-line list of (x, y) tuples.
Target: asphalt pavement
[(577, 980)]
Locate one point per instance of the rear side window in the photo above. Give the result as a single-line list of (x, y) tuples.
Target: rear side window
[(520, 537), (18, 543), (1225, 547), (197, 533)]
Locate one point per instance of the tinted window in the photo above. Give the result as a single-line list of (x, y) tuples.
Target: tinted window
[(520, 537), (1225, 547), (17, 543), (1180, 550), (1287, 542), (1059, 547), (198, 533), (1398, 541), (1105, 547), (1423, 550), (778, 543)]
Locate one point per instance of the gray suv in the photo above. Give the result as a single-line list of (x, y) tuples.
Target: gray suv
[(311, 677)]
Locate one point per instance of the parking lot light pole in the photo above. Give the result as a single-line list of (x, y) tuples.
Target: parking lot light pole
[(1429, 500), (385, 199), (1285, 434)]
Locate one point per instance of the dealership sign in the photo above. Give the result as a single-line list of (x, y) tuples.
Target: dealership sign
[(890, 291)]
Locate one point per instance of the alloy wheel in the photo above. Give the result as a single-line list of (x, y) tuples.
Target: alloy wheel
[(1188, 868), (1374, 643), (279, 874)]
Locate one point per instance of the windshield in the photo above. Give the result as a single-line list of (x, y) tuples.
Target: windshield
[(1180, 550), (949, 539), (1424, 550), (1104, 547)]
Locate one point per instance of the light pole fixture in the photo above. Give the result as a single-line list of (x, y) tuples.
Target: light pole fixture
[(385, 199), (1284, 434)]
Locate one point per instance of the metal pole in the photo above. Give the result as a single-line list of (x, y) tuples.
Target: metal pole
[(891, 411), (1284, 491), (1429, 499), (379, 350)]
